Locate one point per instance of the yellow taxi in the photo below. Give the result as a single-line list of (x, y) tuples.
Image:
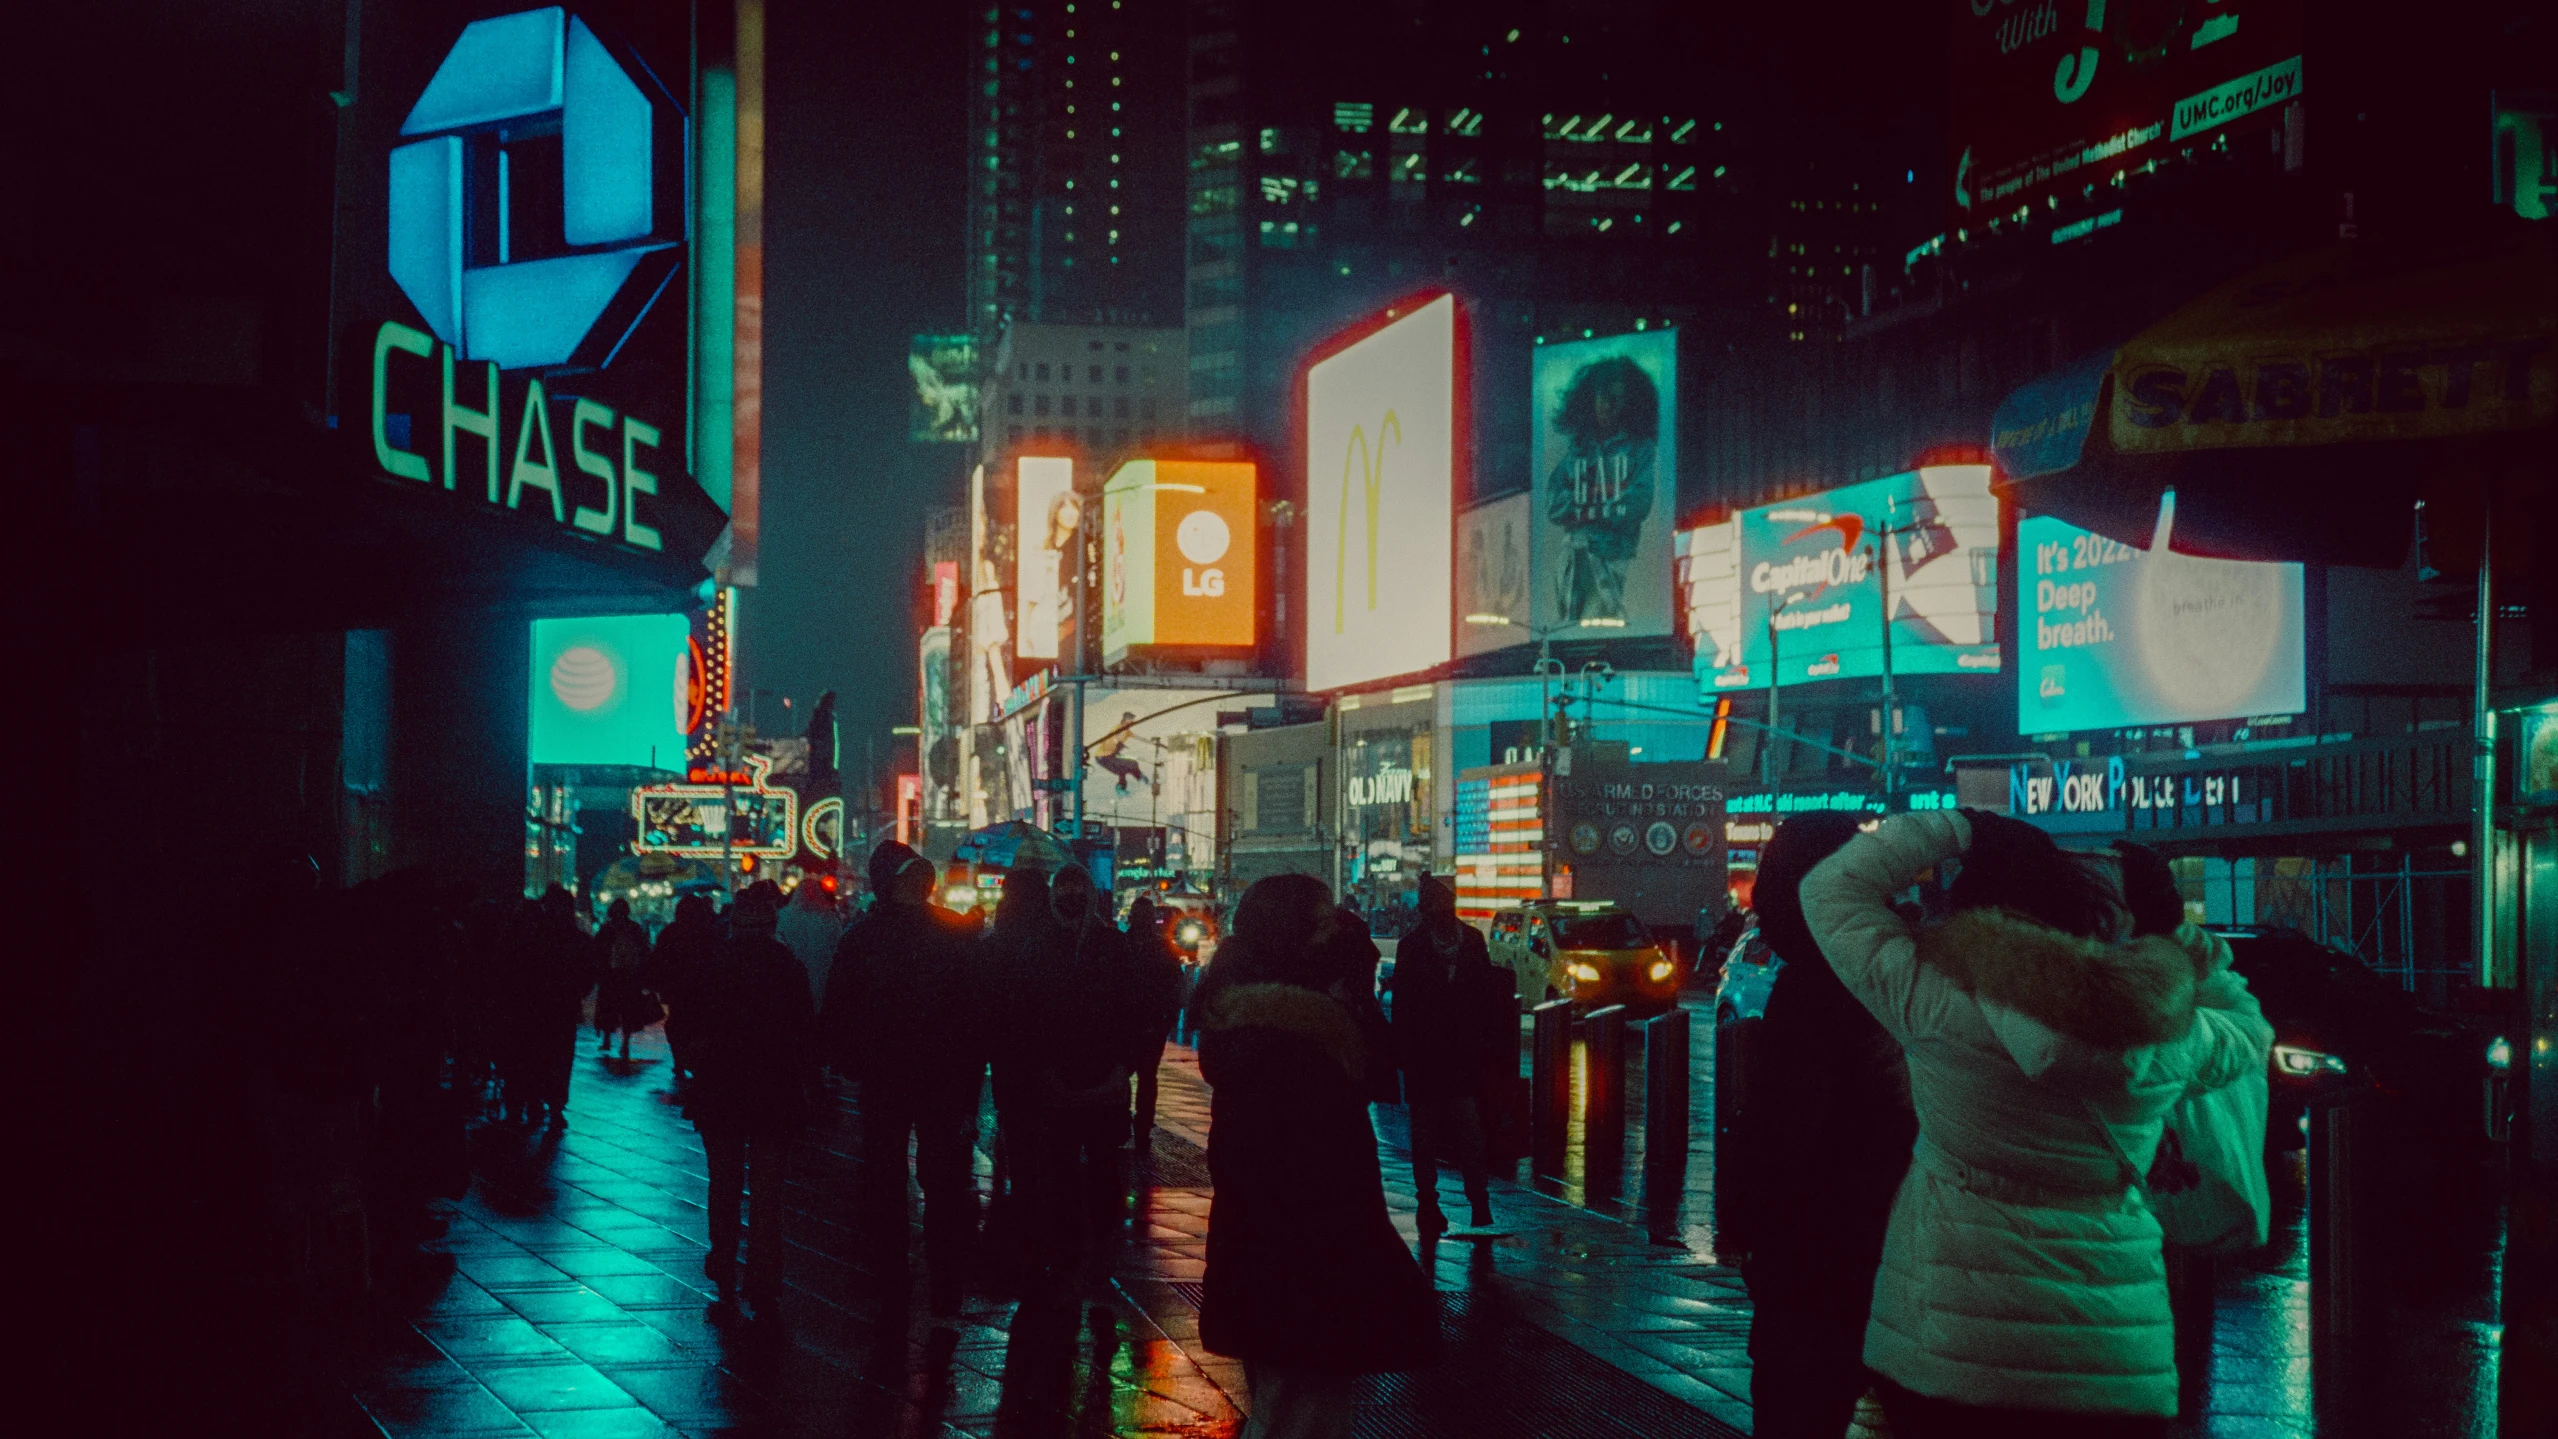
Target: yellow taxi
[(1591, 952)]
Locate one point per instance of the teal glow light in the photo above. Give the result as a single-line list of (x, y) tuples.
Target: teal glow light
[(608, 691)]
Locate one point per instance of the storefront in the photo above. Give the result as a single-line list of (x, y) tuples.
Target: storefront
[(1384, 748)]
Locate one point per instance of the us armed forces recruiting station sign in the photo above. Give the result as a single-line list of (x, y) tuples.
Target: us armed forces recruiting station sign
[(2051, 96), (1648, 836)]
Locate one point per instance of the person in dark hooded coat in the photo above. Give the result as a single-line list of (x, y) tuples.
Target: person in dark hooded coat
[(1456, 1027), (622, 1000), (1818, 1150), (684, 948), (1162, 967), (1307, 1281), (903, 1019), (752, 1036)]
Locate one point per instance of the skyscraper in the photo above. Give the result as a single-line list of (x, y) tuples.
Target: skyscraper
[(1075, 190)]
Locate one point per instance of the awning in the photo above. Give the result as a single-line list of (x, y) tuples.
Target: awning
[(2359, 372)]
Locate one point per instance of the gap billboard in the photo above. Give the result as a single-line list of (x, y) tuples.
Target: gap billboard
[(1382, 413), (1795, 590), (2113, 636), (1606, 485)]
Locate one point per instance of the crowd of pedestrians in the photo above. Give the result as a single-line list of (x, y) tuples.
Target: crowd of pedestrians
[(1944, 1187)]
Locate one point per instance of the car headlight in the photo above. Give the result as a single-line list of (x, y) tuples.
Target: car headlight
[(2500, 1054), (2292, 1059), (1659, 971), (1584, 971)]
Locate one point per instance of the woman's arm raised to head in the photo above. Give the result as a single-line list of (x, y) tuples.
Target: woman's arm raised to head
[(1847, 903)]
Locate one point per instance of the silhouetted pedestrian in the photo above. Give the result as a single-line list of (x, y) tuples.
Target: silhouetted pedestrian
[(547, 976), (684, 947), (810, 928), (1307, 1281), (1080, 1012), (905, 1019), (1818, 1147), (622, 1000), (1162, 969), (752, 1037), (1455, 1028)]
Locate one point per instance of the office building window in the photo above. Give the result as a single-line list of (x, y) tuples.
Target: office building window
[(1039, 406), (1066, 406), (1120, 376), (1119, 408), (1012, 403)]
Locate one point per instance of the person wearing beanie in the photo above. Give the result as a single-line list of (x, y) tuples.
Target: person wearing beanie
[(904, 1021), (1455, 1029), (751, 1040), (1817, 1152)]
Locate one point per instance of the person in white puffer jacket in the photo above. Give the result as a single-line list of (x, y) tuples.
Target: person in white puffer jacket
[(2023, 1290)]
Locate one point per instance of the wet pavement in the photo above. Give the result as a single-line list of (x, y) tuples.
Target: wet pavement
[(565, 1298)]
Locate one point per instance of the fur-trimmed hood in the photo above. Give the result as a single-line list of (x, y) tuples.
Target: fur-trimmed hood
[(1294, 1009), (2111, 996)]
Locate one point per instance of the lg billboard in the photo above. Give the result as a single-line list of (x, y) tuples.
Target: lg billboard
[(1381, 455), (1177, 555), (2113, 636), (1606, 484)]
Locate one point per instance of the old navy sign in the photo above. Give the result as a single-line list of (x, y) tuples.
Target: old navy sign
[(573, 459)]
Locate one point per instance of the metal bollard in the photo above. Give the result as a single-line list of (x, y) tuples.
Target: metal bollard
[(1603, 1099), (2346, 1299), (1549, 1085), (1666, 1039)]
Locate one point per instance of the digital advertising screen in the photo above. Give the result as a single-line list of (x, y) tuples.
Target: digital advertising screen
[(1606, 477), (1048, 516), (2050, 98), (612, 691), (1153, 763), (1178, 547), (1706, 567), (1380, 499), (1807, 583), (2111, 636), (943, 370), (1492, 575)]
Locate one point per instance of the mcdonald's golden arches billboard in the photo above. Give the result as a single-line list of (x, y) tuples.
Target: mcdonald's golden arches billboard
[(1381, 458)]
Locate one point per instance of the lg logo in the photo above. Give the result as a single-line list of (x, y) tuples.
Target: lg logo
[(1203, 539), (537, 197)]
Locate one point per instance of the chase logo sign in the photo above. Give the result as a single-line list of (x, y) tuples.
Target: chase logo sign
[(537, 194)]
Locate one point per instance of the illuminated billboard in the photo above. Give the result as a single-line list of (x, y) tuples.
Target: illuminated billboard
[(1047, 515), (612, 691), (2112, 636), (2054, 98), (1707, 565), (1606, 479), (1177, 554), (1381, 455), (1153, 763), (943, 370), (1492, 576), (1806, 583)]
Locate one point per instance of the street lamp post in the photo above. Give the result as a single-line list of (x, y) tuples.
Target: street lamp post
[(1776, 688)]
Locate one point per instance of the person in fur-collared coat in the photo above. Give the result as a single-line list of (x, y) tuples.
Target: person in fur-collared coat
[(1307, 1281), (2023, 1289)]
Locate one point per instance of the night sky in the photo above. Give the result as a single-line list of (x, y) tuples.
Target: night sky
[(865, 245)]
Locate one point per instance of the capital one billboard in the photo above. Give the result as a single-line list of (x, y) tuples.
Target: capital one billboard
[(1796, 590), (1381, 454), (2052, 96), (1177, 555)]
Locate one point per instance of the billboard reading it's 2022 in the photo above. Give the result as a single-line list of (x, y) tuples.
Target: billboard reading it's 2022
[(1380, 492), (1795, 589), (2052, 96), (2112, 636), (1606, 482)]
